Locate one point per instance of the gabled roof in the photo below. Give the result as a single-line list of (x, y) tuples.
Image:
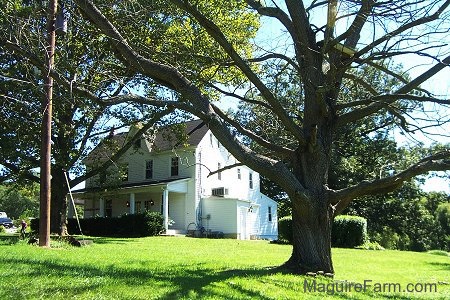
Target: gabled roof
[(165, 139)]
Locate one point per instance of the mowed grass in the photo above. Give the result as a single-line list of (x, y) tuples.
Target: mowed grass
[(187, 268)]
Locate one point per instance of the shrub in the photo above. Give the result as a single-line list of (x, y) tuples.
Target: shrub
[(2, 229), (349, 231), (389, 239), (285, 233), (154, 223), (34, 226), (129, 225), (370, 246)]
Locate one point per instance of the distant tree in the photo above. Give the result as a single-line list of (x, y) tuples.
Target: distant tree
[(20, 201)]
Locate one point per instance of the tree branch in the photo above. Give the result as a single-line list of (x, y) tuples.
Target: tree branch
[(286, 152), (304, 38), (211, 173), (382, 100), (404, 28), (273, 56), (436, 162), (220, 38), (251, 101), (17, 170), (352, 35), (273, 12), (358, 114)]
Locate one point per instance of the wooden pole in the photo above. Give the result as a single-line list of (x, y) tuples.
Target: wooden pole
[(46, 133)]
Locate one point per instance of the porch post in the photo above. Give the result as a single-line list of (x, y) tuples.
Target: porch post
[(166, 209), (132, 203), (71, 212), (102, 207)]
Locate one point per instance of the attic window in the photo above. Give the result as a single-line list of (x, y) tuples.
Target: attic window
[(149, 169), (137, 144), (269, 211), (174, 166)]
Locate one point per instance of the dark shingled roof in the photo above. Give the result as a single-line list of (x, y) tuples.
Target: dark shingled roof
[(164, 140)]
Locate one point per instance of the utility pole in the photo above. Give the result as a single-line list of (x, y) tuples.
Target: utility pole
[(46, 132)]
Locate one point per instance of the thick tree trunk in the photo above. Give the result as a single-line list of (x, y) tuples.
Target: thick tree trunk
[(311, 239), (58, 211)]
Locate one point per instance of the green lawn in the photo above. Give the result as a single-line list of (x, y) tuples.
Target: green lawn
[(186, 268)]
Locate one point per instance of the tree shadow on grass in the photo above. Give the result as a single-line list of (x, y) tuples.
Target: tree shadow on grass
[(107, 240), (140, 280), (173, 283), (9, 239), (440, 265)]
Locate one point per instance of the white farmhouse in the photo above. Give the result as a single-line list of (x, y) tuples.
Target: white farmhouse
[(160, 173)]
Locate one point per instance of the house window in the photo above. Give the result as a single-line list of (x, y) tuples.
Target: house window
[(137, 207), (137, 144), (174, 166), (148, 204), (211, 139), (149, 169), (239, 173), (219, 173), (250, 180), (269, 212)]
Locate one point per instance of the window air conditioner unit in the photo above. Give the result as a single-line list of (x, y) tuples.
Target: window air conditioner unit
[(220, 192)]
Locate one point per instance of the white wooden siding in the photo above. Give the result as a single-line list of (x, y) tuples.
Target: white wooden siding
[(223, 215), (211, 156), (268, 230), (190, 205)]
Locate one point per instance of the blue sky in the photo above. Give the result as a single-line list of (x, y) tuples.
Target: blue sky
[(272, 36)]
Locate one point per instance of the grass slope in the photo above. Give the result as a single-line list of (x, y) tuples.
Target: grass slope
[(185, 268)]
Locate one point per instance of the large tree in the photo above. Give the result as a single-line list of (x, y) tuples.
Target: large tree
[(320, 50)]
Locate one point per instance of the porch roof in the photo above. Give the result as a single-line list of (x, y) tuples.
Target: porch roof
[(131, 185)]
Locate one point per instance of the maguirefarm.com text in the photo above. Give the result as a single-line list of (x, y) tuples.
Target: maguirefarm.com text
[(335, 287)]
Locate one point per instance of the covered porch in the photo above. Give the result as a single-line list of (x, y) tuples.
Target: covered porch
[(166, 197)]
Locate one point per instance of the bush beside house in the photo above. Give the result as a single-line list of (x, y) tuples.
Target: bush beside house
[(347, 232), (285, 229), (135, 225)]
